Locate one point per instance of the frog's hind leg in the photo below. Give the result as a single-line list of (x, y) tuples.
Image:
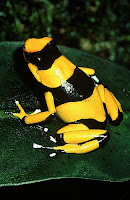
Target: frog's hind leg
[(112, 105), (69, 128), (77, 138)]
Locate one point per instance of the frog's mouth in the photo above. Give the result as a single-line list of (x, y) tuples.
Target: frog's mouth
[(43, 59), (27, 56)]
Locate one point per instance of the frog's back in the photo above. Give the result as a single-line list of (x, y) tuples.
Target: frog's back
[(85, 111), (77, 88), (78, 99)]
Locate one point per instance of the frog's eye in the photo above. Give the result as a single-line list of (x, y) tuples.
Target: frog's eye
[(33, 58), (39, 60)]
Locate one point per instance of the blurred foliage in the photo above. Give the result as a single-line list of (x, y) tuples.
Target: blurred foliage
[(99, 27)]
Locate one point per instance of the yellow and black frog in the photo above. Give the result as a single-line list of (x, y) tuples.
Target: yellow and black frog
[(72, 93)]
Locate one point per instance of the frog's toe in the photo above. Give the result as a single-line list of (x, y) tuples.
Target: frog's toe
[(19, 106), (36, 112), (16, 115), (8, 113)]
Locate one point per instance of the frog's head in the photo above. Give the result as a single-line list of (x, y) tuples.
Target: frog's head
[(36, 51), (35, 45), (40, 55)]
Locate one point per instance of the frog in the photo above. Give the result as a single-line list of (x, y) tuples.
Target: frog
[(73, 94)]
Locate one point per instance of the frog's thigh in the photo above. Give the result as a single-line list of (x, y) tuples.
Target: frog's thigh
[(70, 128), (77, 133), (113, 106)]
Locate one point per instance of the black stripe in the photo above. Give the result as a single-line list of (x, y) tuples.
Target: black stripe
[(45, 58), (23, 120), (103, 139), (60, 139), (78, 87), (92, 123), (118, 120)]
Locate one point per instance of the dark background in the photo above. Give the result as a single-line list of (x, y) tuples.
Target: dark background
[(96, 26), (70, 189)]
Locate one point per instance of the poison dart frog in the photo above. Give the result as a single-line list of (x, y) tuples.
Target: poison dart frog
[(74, 94)]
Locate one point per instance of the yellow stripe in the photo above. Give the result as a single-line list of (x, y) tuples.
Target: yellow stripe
[(34, 71), (61, 70)]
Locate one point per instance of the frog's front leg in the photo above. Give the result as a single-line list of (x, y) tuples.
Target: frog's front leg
[(37, 116), (90, 72)]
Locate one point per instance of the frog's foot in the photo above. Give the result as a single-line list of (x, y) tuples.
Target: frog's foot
[(36, 112), (38, 146), (22, 113)]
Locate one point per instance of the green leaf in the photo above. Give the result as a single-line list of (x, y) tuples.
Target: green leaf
[(19, 162)]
